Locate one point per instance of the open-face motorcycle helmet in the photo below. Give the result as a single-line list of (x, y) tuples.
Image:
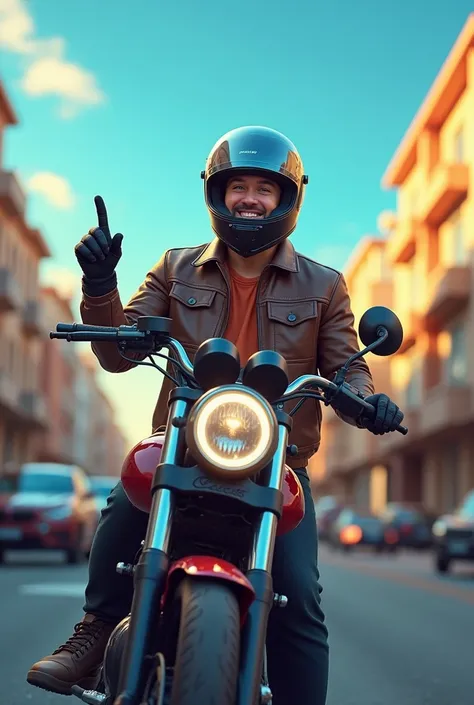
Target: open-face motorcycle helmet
[(254, 150)]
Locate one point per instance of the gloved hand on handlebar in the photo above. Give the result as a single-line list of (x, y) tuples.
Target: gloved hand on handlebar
[(98, 254), (387, 415)]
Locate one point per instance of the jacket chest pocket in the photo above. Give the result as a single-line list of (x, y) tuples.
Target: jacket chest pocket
[(294, 326), (196, 313)]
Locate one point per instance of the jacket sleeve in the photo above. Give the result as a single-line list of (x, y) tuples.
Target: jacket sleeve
[(337, 341), (151, 299)]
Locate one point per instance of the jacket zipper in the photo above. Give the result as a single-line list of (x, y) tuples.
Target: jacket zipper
[(227, 313), (259, 318)]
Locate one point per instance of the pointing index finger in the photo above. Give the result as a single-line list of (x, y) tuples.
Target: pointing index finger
[(101, 213)]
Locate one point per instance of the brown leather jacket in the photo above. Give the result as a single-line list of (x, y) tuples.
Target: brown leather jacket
[(303, 312)]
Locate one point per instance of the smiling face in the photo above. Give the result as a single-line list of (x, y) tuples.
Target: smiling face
[(251, 196)]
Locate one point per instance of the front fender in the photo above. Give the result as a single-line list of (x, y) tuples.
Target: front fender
[(215, 568)]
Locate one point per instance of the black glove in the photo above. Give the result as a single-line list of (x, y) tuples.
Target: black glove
[(98, 254), (387, 415)]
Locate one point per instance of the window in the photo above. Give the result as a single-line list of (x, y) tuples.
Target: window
[(414, 389), (459, 243), (49, 483), (415, 285), (456, 364), (414, 202), (459, 146)]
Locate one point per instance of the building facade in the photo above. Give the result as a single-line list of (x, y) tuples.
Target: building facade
[(22, 406), (51, 405), (347, 462), (430, 253)]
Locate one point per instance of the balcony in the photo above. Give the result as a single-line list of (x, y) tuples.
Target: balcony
[(449, 294), (33, 408), (12, 197), (10, 295), (348, 449), (8, 395), (445, 407), (32, 320), (402, 244), (447, 188)]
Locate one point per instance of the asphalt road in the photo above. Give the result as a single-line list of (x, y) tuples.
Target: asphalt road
[(399, 635)]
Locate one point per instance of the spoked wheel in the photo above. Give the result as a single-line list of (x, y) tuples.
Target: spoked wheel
[(206, 664)]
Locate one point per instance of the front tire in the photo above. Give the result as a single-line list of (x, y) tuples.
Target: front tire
[(208, 647)]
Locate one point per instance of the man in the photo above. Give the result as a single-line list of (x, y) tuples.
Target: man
[(249, 286)]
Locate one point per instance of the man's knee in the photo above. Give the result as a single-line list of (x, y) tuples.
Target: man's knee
[(119, 503)]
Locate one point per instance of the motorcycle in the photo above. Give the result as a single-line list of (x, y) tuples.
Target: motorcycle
[(218, 491)]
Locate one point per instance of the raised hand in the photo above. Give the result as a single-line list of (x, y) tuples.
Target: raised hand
[(98, 253)]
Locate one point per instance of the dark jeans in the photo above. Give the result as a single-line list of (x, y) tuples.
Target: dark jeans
[(297, 637)]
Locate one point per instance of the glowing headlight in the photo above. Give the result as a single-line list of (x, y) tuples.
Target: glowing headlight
[(232, 431)]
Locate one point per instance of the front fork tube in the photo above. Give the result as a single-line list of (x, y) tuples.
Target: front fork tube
[(151, 571), (259, 574)]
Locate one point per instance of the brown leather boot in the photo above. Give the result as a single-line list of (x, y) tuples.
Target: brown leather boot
[(75, 662)]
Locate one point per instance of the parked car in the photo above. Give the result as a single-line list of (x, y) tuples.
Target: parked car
[(453, 535), (411, 522), (325, 519), (48, 506), (356, 527), (102, 486), (322, 504)]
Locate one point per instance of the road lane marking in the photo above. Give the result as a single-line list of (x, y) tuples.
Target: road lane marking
[(53, 589)]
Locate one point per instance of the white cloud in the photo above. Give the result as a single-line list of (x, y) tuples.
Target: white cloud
[(16, 27), (54, 188), (47, 71)]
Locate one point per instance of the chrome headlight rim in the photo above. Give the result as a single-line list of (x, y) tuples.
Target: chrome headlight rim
[(222, 471)]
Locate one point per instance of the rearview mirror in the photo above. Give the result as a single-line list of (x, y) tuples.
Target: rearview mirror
[(375, 320)]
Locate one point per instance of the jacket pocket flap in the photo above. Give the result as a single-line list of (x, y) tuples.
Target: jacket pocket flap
[(192, 297), (291, 313)]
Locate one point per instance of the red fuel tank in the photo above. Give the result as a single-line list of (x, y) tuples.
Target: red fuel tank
[(139, 467)]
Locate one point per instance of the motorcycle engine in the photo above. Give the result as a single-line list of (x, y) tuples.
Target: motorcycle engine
[(113, 657)]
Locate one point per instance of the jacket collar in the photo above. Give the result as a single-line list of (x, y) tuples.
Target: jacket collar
[(285, 256)]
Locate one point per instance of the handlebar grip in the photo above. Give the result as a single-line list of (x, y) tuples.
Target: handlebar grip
[(85, 336), (73, 327), (371, 411)]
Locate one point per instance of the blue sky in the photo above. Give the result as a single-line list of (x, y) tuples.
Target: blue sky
[(126, 100)]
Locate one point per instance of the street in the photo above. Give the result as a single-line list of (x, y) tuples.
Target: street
[(399, 635)]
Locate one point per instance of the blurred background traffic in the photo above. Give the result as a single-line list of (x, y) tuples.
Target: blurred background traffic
[(395, 514)]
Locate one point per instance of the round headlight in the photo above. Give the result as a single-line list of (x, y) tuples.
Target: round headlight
[(232, 432)]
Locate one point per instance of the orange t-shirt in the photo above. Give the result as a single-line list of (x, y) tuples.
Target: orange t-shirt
[(242, 324)]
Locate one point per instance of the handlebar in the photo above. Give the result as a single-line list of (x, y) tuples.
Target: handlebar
[(79, 332)]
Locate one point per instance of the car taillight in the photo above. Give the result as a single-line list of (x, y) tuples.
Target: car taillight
[(350, 534)]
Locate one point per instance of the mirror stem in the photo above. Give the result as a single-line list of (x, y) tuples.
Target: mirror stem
[(382, 336)]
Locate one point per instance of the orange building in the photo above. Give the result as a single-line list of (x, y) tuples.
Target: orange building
[(22, 409), (430, 246), (347, 462)]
